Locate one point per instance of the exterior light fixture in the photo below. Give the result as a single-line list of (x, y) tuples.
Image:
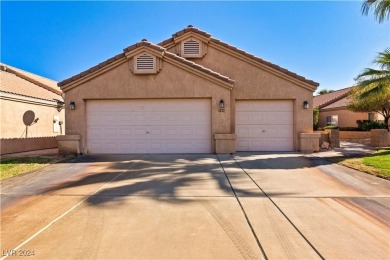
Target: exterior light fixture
[(221, 106), (305, 104), (60, 104), (72, 105)]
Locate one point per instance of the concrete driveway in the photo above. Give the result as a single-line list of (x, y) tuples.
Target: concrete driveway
[(250, 205)]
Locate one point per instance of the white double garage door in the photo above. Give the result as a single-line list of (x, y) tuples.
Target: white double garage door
[(182, 126)]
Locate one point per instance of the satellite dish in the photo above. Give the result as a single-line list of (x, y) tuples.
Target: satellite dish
[(28, 117)]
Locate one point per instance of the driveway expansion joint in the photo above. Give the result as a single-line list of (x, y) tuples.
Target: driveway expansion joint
[(243, 211), (279, 209)]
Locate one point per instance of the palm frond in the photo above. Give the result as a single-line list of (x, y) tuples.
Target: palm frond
[(366, 6), (381, 9), (368, 72), (383, 59), (375, 91)]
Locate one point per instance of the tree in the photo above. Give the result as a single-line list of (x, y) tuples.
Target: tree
[(381, 9), (372, 93), (316, 114), (325, 91)]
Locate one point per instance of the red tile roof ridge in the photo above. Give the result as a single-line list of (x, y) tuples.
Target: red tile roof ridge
[(190, 28)]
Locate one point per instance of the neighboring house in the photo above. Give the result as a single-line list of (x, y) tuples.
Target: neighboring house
[(333, 110), (191, 93), (31, 106)]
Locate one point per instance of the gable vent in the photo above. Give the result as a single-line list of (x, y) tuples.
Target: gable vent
[(145, 62), (191, 48)]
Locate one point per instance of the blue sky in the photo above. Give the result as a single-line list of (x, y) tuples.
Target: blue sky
[(328, 42)]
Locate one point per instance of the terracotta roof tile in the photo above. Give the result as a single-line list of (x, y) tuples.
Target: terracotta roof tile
[(15, 84), (327, 99), (199, 67), (192, 29), (341, 103), (152, 46), (40, 81)]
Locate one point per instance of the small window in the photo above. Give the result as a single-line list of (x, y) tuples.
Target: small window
[(332, 120), (145, 63), (191, 48)]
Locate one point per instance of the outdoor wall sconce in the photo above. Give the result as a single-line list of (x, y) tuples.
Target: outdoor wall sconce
[(72, 105), (305, 104), (60, 105), (221, 106)]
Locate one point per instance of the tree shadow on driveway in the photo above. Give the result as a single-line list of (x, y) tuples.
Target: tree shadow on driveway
[(169, 178)]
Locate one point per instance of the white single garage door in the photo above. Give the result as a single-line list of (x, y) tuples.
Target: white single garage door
[(149, 126), (264, 125)]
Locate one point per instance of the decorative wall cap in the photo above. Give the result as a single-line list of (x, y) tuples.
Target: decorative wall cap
[(309, 135), (68, 137)]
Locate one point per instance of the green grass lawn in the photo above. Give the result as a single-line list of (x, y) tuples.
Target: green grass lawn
[(13, 166), (377, 164)]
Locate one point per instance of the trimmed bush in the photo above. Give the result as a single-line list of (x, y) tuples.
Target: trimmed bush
[(331, 127)]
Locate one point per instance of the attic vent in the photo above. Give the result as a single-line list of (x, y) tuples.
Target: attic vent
[(191, 48), (145, 63)]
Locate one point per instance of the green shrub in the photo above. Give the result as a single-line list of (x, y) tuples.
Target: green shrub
[(350, 129), (331, 127), (366, 125)]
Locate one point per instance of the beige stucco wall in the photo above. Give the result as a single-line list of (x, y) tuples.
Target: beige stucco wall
[(253, 83), (346, 118), (12, 125), (121, 83)]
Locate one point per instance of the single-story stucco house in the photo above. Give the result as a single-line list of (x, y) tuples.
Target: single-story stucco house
[(333, 110), (190, 93), (31, 105)]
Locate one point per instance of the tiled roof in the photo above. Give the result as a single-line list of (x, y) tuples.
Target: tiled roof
[(152, 46), (195, 30), (46, 83), (190, 28), (199, 67), (327, 99), (23, 83), (341, 103)]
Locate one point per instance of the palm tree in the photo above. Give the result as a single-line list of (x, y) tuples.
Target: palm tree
[(376, 81), (381, 9), (373, 86)]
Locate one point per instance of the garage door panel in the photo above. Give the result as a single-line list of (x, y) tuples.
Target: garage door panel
[(149, 126), (264, 125)]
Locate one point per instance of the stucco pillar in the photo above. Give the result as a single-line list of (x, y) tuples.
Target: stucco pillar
[(334, 136), (68, 144), (225, 143), (309, 142)]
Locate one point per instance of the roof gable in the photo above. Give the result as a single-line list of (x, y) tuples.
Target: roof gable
[(191, 31), (160, 52)]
